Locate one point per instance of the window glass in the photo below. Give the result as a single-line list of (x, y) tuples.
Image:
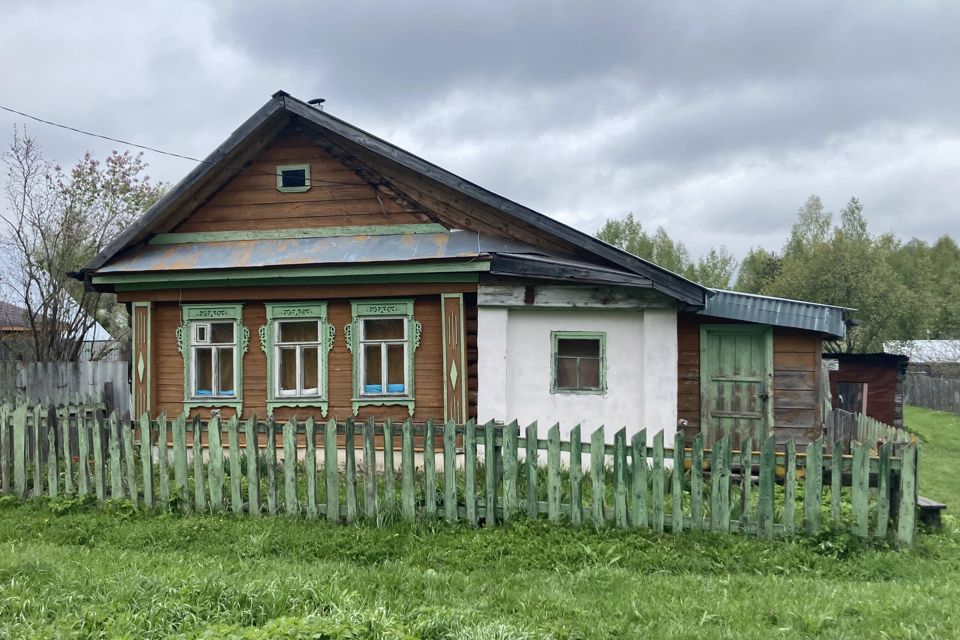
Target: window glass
[(589, 373), (566, 373), (203, 371), (395, 368), (299, 331), (383, 329), (575, 347), (372, 367), (310, 358), (221, 332), (287, 371), (293, 178), (225, 371)]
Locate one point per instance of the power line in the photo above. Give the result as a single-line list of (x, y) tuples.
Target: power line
[(154, 149)]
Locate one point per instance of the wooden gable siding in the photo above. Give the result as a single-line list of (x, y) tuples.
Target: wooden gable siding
[(428, 383), (338, 197), (796, 374)]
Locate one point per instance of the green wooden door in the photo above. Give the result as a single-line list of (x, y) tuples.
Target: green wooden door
[(736, 382)]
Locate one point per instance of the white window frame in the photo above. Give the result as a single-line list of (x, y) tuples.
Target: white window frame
[(197, 342), (404, 341), (298, 348)]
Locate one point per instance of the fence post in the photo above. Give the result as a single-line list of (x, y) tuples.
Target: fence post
[(290, 500), (638, 485), (597, 476), (907, 517), (252, 434), (511, 500), (553, 473), (450, 471)]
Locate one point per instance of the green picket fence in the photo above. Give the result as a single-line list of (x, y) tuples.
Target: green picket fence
[(479, 474)]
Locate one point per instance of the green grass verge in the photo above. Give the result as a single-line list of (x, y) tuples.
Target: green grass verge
[(939, 453)]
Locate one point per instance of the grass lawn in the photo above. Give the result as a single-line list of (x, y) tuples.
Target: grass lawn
[(939, 453), (70, 570)]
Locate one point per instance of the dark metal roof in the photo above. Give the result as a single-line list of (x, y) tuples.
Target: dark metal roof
[(282, 105), (355, 249), (780, 312), (552, 268)]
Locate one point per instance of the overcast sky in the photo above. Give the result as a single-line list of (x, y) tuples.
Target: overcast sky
[(714, 120)]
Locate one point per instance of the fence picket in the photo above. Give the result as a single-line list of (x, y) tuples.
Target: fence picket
[(129, 461), (38, 451), (696, 482), (620, 514), (63, 420), (146, 460), (252, 445), (676, 490), (179, 460), (813, 486), (199, 487), (725, 459), (310, 467), (450, 471), (470, 471), (638, 485), (116, 468), (6, 420), (20, 452), (215, 464), (746, 483), (836, 481), (330, 471), (429, 470), (490, 473), (553, 473), (597, 477), (163, 474), (768, 475), (511, 471), (860, 490), (907, 517), (53, 466), (350, 468), (408, 494), (658, 488), (291, 502), (83, 454), (389, 474), (789, 488), (576, 477), (883, 490), (369, 472), (273, 491), (531, 462), (233, 441)]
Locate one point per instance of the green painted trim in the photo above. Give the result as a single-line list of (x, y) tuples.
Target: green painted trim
[(193, 313), (295, 234), (149, 349), (426, 278), (293, 167), (462, 365), (373, 308), (296, 311), (555, 336), (256, 274)]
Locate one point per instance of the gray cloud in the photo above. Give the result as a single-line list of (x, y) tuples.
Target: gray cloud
[(715, 120)]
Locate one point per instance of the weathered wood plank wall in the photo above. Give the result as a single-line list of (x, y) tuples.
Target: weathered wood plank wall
[(942, 394)]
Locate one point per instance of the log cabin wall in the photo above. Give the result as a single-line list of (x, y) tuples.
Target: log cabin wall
[(428, 383), (338, 195), (796, 377)]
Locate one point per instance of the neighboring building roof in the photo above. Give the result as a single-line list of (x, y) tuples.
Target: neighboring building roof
[(925, 351), (13, 318), (875, 359), (781, 312), (398, 165)]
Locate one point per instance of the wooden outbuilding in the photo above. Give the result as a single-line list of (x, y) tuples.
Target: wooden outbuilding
[(868, 383)]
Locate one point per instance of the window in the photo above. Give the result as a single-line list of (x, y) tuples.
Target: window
[(297, 339), (578, 362), (212, 341), (293, 178), (383, 338)]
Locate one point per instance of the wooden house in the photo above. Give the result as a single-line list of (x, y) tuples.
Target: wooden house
[(307, 267)]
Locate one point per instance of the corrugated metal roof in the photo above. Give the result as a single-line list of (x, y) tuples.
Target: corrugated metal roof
[(780, 312), (313, 251)]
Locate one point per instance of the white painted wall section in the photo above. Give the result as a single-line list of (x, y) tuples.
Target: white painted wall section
[(641, 369)]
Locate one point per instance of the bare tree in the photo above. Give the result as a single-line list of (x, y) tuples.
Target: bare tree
[(55, 223)]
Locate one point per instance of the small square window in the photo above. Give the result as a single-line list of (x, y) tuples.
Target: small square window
[(579, 362), (293, 178)]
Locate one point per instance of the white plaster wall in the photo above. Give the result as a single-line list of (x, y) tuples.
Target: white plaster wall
[(514, 369)]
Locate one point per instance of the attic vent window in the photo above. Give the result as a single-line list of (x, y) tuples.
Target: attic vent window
[(293, 178)]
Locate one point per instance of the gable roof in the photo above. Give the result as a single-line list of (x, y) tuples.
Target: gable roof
[(487, 210)]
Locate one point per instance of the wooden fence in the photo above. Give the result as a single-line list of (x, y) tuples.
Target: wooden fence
[(8, 380), (942, 394), (480, 474)]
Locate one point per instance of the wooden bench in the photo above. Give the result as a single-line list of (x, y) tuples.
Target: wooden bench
[(930, 511)]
